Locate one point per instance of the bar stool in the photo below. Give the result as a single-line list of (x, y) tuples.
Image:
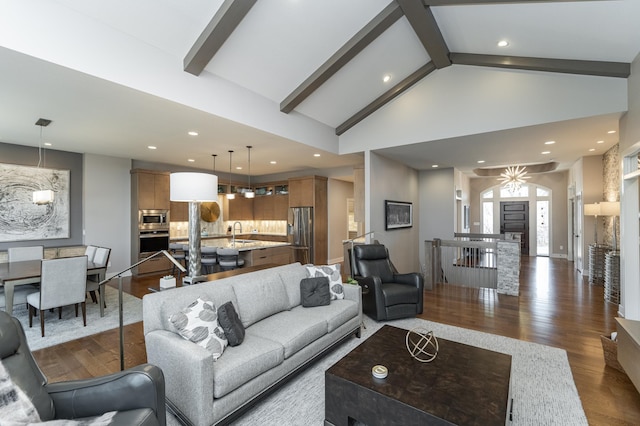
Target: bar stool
[(209, 259), (176, 250), (229, 258)]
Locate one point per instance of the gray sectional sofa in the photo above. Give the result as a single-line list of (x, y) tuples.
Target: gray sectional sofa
[(281, 337)]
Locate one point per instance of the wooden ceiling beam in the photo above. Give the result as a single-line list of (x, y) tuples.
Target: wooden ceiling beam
[(386, 97), (223, 23), (567, 66), (426, 28), (348, 51)]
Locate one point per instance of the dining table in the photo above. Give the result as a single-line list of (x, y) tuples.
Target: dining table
[(24, 272)]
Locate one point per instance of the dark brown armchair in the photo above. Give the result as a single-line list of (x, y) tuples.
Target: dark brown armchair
[(386, 294), (137, 395)]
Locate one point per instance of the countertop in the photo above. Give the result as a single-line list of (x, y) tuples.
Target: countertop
[(241, 245)]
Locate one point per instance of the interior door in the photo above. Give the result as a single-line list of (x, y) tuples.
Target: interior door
[(514, 217)]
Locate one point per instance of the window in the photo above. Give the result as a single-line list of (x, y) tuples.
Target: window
[(522, 192), (487, 217)]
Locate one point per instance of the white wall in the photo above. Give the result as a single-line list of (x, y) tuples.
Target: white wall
[(437, 206), (390, 180), (107, 207)]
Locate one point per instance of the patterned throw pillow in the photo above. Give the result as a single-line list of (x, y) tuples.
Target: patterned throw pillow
[(198, 323), (335, 279)]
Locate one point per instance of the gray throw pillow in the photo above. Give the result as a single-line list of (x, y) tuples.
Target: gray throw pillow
[(231, 324), (315, 291)]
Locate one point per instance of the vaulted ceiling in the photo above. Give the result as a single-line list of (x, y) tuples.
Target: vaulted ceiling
[(292, 77)]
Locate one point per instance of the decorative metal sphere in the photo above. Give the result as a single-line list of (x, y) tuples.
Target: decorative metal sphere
[(422, 344)]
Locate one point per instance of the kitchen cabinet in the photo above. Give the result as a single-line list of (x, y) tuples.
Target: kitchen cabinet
[(150, 189), (240, 208), (301, 192), (275, 255), (179, 212)]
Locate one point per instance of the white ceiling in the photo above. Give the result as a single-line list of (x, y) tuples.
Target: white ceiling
[(58, 60)]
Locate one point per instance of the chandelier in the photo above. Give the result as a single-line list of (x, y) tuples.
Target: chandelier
[(513, 177)]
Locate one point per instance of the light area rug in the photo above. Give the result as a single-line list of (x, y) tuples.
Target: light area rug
[(70, 327), (543, 389)]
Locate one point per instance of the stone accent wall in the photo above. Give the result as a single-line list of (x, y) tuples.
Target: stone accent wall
[(509, 268), (612, 178)]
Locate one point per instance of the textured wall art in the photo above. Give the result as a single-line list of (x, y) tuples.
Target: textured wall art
[(20, 218)]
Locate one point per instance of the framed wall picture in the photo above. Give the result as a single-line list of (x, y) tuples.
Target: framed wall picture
[(20, 218), (398, 214)]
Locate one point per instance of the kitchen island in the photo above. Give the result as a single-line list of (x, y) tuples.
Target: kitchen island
[(253, 252)]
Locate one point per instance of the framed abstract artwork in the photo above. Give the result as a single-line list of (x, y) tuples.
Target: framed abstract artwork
[(398, 214), (20, 218)]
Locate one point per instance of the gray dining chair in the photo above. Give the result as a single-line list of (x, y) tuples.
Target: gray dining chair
[(17, 254), (229, 258), (101, 258), (90, 252), (63, 282), (20, 294), (177, 251)]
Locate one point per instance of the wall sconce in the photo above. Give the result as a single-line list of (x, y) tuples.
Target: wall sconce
[(193, 188)]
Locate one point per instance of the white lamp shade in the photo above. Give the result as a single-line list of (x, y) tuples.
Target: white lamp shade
[(592, 209), (43, 197), (610, 208), (186, 187)]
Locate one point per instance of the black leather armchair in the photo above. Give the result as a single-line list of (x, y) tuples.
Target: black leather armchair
[(386, 294), (136, 394)]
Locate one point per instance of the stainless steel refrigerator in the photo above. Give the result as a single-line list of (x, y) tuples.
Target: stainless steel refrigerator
[(300, 232)]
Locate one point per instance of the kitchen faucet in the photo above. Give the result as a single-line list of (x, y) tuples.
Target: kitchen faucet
[(234, 232)]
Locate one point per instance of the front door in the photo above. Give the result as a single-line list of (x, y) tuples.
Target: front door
[(514, 217)]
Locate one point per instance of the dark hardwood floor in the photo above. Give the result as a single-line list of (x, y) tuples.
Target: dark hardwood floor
[(556, 307)]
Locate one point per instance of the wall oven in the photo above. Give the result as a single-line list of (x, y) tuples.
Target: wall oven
[(153, 241), (153, 219)]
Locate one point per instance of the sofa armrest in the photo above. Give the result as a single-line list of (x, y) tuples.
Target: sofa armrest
[(189, 369), (138, 387)]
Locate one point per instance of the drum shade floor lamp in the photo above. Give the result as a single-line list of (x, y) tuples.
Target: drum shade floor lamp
[(194, 188)]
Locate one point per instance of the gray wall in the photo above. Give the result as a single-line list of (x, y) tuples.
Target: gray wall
[(28, 156), (437, 206), (338, 193)]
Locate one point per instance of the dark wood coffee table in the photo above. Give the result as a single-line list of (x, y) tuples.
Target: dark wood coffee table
[(464, 385)]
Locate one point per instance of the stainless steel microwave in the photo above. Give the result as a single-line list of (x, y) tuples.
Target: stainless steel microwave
[(153, 219)]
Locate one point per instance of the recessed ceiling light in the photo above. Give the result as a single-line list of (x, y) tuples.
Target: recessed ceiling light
[(316, 155), (435, 166), (591, 149), (549, 142), (152, 147), (503, 43), (191, 160), (600, 142), (386, 78), (273, 162), (193, 133), (611, 132), (480, 161), (238, 167), (47, 144), (545, 152)]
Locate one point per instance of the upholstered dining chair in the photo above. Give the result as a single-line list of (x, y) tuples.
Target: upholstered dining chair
[(386, 295), (229, 258), (20, 294), (63, 282), (209, 259), (100, 258), (137, 395), (17, 254), (90, 252)]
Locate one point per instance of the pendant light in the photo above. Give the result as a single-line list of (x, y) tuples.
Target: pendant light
[(250, 193), (43, 196), (230, 195)]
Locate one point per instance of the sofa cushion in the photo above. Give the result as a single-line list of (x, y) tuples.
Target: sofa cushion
[(315, 292), (291, 275), (198, 323), (260, 298), (335, 279), (231, 324), (244, 362), (292, 331), (335, 314)]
